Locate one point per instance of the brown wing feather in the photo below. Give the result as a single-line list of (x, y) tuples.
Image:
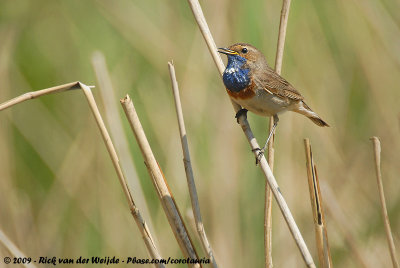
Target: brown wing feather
[(275, 84)]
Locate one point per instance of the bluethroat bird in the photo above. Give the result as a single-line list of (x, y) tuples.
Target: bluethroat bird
[(252, 84)]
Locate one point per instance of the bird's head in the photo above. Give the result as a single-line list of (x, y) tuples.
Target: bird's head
[(245, 53)]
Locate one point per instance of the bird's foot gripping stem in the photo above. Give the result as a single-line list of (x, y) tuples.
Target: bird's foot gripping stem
[(260, 153), (240, 113)]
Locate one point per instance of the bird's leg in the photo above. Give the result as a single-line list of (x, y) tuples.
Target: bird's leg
[(240, 113), (261, 151), (276, 120)]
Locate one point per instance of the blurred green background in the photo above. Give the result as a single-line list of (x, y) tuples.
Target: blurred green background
[(59, 194)]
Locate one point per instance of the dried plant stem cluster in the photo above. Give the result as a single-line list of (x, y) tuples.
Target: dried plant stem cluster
[(166, 197), (143, 228), (158, 179), (156, 174)]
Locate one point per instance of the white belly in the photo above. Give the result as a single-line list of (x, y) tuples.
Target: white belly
[(265, 104)]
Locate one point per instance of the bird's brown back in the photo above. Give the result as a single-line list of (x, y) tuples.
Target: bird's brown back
[(269, 80)]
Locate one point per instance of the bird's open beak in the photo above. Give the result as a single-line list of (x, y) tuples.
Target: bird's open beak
[(227, 51)]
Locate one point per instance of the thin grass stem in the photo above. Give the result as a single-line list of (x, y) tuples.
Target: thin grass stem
[(377, 156), (271, 150), (188, 168)]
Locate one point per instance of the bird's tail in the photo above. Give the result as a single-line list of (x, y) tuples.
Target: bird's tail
[(303, 109), (318, 121)]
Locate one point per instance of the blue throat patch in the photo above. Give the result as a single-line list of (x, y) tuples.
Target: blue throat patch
[(235, 77)]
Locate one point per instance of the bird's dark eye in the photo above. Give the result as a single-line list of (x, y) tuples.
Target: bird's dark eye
[(244, 50)]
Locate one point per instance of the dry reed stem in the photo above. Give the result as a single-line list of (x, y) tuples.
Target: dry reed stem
[(188, 168), (268, 215), (114, 122), (377, 155), (168, 202), (282, 35), (142, 225), (148, 240), (321, 234), (337, 215), (198, 14), (38, 93), (13, 249), (268, 194)]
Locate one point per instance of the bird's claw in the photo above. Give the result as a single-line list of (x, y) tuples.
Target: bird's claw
[(240, 113), (259, 154)]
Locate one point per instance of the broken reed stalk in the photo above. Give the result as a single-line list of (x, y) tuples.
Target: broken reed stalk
[(188, 168), (342, 223), (147, 238), (268, 193), (377, 156), (13, 249), (321, 234), (39, 93), (168, 202), (205, 31)]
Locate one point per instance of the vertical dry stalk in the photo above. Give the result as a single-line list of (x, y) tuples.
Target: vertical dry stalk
[(188, 168), (201, 21), (143, 228), (321, 234), (148, 240), (377, 155), (271, 151), (268, 214), (170, 208), (13, 249), (342, 223), (282, 35)]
